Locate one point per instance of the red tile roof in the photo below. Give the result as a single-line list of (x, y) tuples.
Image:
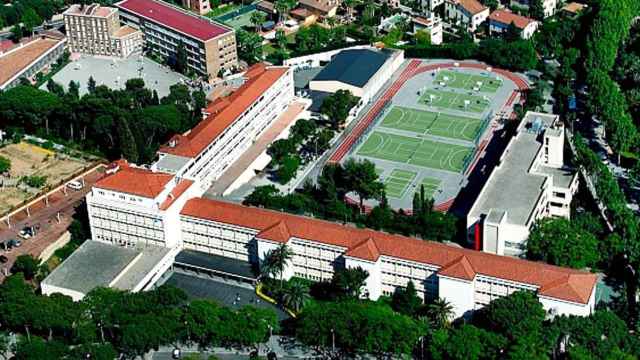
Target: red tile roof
[(175, 193), (181, 21), (507, 17), (225, 111), (471, 6), (135, 181), (561, 283)]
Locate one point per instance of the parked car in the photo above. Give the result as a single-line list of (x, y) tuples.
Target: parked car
[(26, 233), (75, 185), (14, 243)]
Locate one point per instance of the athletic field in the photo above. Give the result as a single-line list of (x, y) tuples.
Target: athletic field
[(430, 186), (427, 122), (415, 151), (471, 82), (397, 182), (454, 101)]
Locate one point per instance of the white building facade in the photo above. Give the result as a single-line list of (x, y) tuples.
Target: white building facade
[(530, 182), (467, 279), (134, 205), (500, 20), (467, 13)]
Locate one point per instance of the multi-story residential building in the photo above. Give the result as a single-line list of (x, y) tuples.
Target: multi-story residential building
[(500, 20), (138, 204), (30, 57), (94, 29), (467, 13), (430, 6), (549, 6), (210, 47), (431, 24), (321, 8), (465, 278), (200, 7), (530, 182)]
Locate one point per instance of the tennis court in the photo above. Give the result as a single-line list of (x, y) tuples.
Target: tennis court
[(430, 185), (415, 151), (454, 101), (397, 182), (460, 80), (241, 21), (427, 122)]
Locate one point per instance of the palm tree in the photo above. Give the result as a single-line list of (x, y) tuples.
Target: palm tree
[(440, 311), (296, 296), (257, 18), (282, 7), (350, 4), (276, 260)]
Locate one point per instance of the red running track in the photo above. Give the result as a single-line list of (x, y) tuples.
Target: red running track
[(409, 72)]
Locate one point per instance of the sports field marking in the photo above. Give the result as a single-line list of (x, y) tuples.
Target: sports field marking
[(402, 118), (420, 152), (427, 122), (430, 185), (454, 101), (397, 183), (461, 80)]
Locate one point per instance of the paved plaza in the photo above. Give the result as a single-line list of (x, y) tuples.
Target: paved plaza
[(114, 73)]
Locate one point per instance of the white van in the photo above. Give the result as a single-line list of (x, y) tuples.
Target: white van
[(75, 185)]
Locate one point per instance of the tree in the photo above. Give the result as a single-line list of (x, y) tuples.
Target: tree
[(361, 177), (38, 349), (27, 265), (296, 295), (257, 19), (350, 4), (276, 261), (512, 33), (5, 345), (348, 283), (30, 19), (536, 10), (406, 300), (91, 85), (17, 33), (283, 7), (466, 343), (440, 312), (634, 174), (249, 46), (336, 107), (74, 89), (55, 88), (127, 141), (517, 315), (182, 62), (5, 165), (288, 168), (559, 242), (423, 38), (357, 327), (281, 148)]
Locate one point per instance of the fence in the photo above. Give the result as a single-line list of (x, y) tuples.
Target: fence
[(485, 123), (468, 160), (235, 13)]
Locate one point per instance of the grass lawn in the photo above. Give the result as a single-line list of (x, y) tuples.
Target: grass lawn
[(460, 80), (397, 182), (415, 151), (454, 101)]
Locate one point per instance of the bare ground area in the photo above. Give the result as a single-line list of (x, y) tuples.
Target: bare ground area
[(26, 160)]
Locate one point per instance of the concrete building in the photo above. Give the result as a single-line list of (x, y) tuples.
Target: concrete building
[(430, 6), (140, 205), (432, 25), (97, 264), (573, 9), (96, 30), (467, 279), (200, 7), (549, 6), (530, 182), (468, 13), (500, 20), (361, 71), (28, 58), (321, 8), (210, 47)]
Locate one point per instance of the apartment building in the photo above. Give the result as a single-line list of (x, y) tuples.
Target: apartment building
[(136, 205), (429, 6), (500, 20), (467, 279), (431, 24), (467, 13), (200, 7), (210, 46), (96, 30), (550, 6), (529, 183)]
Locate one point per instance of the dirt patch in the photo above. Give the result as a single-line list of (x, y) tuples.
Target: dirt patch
[(26, 160)]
